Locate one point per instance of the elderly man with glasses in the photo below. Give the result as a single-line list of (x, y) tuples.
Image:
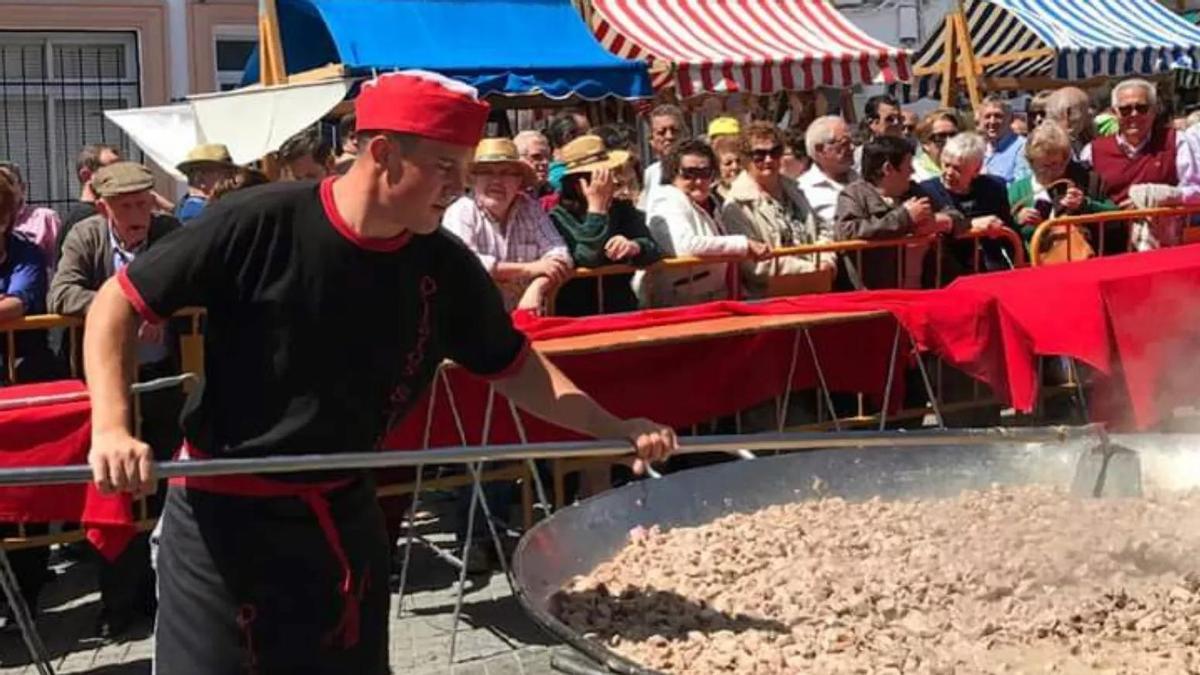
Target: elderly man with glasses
[(832, 152), (1146, 164)]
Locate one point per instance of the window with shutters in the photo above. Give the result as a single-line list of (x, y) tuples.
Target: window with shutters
[(54, 89), (233, 47)]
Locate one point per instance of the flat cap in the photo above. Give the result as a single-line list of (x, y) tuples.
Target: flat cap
[(121, 178)]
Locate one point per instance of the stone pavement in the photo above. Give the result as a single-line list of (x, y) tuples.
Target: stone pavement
[(495, 636)]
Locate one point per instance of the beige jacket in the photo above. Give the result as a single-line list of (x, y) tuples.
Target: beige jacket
[(756, 214), (87, 261)]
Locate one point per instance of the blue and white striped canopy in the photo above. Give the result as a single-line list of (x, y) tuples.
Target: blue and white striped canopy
[(1089, 38)]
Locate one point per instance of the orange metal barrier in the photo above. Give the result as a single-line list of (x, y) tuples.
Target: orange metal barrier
[(1043, 237), (854, 246), (191, 342)]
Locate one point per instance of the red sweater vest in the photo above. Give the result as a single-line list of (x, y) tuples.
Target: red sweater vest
[(1155, 164)]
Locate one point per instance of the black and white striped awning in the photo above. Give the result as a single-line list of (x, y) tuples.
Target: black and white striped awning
[(1069, 40)]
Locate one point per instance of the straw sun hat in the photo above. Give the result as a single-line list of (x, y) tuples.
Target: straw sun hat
[(207, 155), (502, 152), (587, 154)]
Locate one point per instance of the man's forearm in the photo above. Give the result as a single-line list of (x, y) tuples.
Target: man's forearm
[(108, 340), (11, 308), (543, 390), (506, 271)]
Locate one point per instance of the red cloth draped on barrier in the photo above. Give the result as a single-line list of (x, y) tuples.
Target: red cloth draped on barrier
[(690, 382), (57, 434), (1141, 310)]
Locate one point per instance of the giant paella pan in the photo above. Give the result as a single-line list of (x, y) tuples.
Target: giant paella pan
[(1073, 556)]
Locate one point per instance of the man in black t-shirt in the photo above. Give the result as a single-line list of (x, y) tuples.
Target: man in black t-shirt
[(329, 307)]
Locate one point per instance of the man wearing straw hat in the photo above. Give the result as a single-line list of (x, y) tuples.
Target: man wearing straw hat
[(507, 229), (205, 167), (330, 306)]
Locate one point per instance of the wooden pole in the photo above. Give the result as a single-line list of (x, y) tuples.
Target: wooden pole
[(949, 58), (969, 71), (272, 69)]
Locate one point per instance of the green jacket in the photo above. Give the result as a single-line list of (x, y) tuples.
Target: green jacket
[(586, 238), (1020, 195)]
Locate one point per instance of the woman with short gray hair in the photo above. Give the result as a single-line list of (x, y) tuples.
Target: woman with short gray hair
[(982, 200), (966, 148)]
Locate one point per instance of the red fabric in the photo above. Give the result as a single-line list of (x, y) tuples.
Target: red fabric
[(135, 298), (380, 244), (1155, 165), (424, 105), (346, 633), (57, 435), (1139, 309), (694, 381)]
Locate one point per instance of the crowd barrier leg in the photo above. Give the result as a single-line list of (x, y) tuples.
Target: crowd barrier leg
[(783, 404), (812, 350), (478, 499), (933, 397), (535, 475), (414, 506), (891, 376), (33, 641), (1073, 369)]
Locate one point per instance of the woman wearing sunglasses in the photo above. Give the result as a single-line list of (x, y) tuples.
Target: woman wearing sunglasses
[(769, 207), (935, 129), (683, 219)]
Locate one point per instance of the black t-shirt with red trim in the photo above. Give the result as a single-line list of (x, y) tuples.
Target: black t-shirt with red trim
[(317, 339)]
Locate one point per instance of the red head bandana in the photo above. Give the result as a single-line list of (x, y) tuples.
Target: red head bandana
[(423, 104)]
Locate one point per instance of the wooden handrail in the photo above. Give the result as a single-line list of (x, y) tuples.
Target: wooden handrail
[(48, 321), (1043, 230), (808, 249), (848, 246)]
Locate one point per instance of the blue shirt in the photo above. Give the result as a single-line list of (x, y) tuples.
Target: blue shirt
[(190, 207), (23, 274), (1006, 159)]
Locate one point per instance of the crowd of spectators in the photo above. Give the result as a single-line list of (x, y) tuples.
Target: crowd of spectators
[(749, 189)]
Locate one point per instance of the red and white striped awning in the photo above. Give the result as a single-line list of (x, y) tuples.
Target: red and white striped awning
[(750, 46)]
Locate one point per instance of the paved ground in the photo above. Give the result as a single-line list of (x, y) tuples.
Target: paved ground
[(495, 638)]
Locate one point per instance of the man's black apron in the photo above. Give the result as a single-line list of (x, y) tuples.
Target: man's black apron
[(261, 576)]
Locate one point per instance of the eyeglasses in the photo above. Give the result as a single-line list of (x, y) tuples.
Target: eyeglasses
[(1133, 108), (890, 119), (941, 138), (696, 173), (761, 155)]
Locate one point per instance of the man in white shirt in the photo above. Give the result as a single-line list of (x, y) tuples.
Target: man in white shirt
[(832, 152), (667, 129)]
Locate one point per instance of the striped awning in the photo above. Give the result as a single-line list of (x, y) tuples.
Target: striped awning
[(1071, 39), (749, 46)]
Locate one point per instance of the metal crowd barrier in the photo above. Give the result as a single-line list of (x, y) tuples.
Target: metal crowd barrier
[(1063, 227), (854, 246)]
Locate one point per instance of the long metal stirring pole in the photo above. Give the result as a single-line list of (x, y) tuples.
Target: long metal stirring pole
[(79, 473)]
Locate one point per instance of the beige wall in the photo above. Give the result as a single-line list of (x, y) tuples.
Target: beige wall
[(147, 17), (203, 22)]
